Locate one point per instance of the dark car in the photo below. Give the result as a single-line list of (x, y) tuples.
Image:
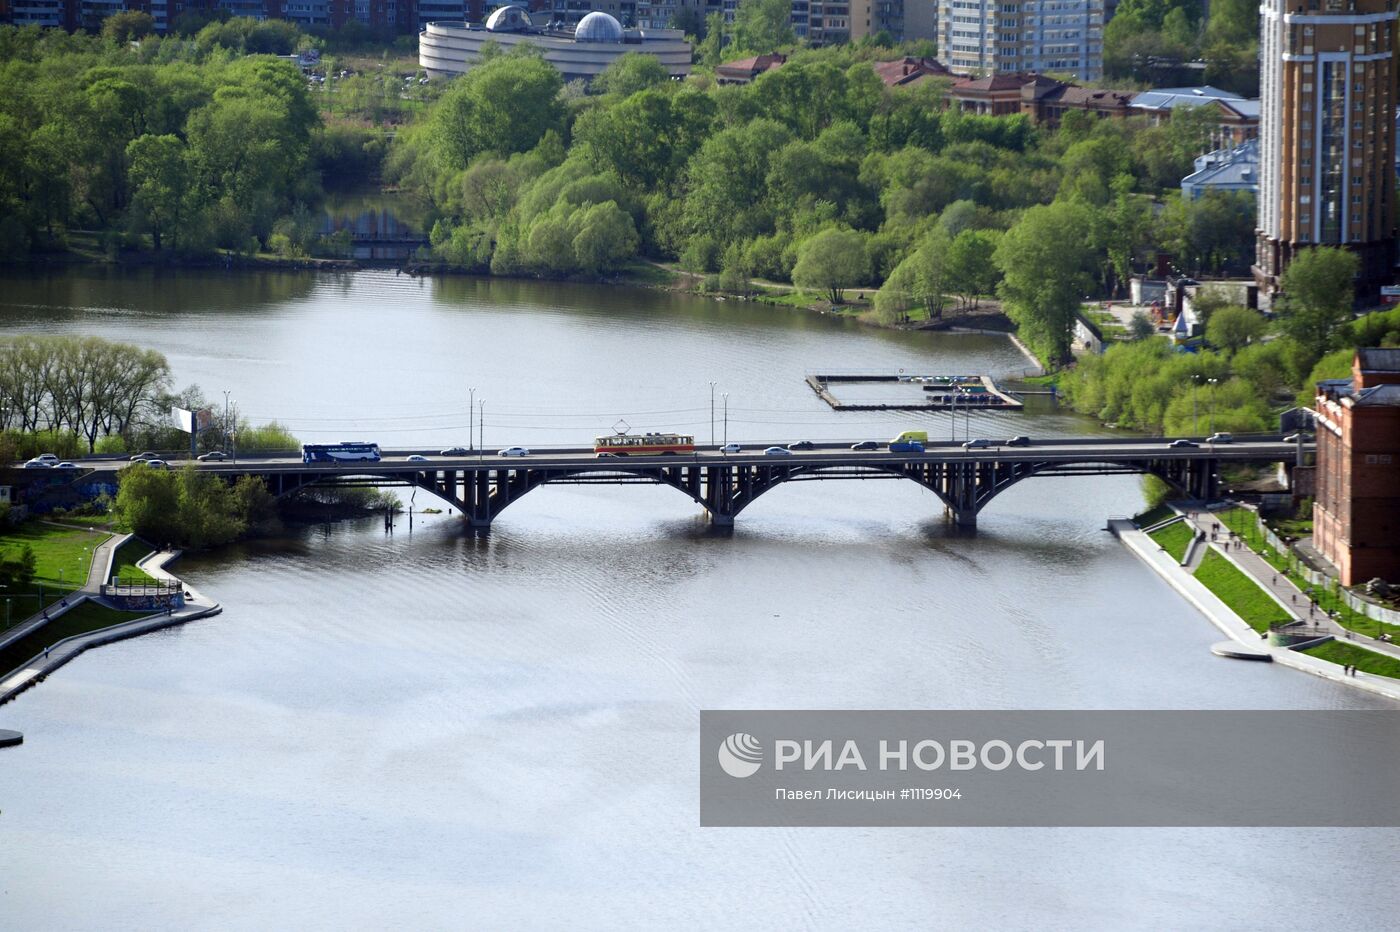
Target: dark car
[(865, 445), (453, 451), (1183, 442), (1019, 442), (213, 456), (802, 445)]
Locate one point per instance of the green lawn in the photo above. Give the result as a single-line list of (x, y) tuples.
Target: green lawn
[(1342, 653), (124, 563), (63, 556), (1174, 538), (86, 617), (1238, 591)]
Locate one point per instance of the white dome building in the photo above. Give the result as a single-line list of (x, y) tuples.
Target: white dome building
[(598, 27), (509, 19), (449, 49)]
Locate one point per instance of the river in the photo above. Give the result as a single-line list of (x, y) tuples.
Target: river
[(427, 728)]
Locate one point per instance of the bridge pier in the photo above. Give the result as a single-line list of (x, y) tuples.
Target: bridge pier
[(962, 517), (719, 520)]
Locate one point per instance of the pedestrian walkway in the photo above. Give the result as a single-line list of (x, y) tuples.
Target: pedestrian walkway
[(1295, 601), (102, 556), (196, 606)]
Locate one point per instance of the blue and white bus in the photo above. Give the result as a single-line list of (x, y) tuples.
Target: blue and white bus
[(347, 451)]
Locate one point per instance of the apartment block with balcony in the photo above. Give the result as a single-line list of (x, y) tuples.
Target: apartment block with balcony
[(1327, 135), (981, 37)]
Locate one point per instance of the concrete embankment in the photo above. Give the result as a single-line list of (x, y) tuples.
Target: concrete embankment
[(56, 655), (1234, 627)]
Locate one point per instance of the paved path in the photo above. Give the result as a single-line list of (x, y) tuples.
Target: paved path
[(196, 606), (102, 556), (1294, 600)]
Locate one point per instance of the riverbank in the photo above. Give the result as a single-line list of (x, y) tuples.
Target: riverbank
[(1217, 602), (90, 622)]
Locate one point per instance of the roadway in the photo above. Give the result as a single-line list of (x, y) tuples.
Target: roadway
[(1067, 449)]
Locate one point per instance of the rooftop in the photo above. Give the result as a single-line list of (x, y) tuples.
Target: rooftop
[(1168, 98), (1379, 360)]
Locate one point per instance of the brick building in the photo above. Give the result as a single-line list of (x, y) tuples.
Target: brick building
[(1356, 515), (1327, 135)]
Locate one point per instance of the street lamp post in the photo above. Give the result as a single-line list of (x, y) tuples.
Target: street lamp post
[(1195, 383), (953, 417), (1211, 424), (481, 429), (228, 428), (726, 418), (712, 413), (471, 409)]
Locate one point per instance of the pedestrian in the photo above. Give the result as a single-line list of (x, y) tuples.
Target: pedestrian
[(1274, 581), (46, 651), (1294, 597)]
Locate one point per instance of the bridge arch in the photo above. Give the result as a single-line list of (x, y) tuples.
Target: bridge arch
[(724, 489)]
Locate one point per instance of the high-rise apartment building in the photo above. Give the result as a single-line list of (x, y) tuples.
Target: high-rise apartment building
[(1056, 36), (1327, 134)]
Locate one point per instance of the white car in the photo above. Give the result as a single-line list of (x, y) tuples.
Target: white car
[(730, 448), (513, 451), (65, 466), (418, 458), (47, 458), (156, 464), (37, 464), (777, 451)]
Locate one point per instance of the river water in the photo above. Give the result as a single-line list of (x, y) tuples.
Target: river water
[(431, 729)]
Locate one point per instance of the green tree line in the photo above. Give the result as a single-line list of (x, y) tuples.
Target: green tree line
[(873, 185), (1250, 366), (186, 143)]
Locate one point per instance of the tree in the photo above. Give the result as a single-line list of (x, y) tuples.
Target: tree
[(763, 25), (831, 261), (504, 105), (127, 25), (159, 181), (605, 238), (1141, 326), (1232, 328), (1043, 258), (1318, 292), (630, 73), (972, 268)]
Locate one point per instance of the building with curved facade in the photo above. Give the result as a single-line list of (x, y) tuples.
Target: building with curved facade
[(447, 49)]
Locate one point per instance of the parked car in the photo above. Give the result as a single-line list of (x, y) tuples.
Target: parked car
[(453, 451), (513, 451), (1018, 442), (1221, 436), (36, 464), (978, 443), (213, 456), (1183, 442), (730, 448), (802, 445), (866, 445), (777, 451)]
